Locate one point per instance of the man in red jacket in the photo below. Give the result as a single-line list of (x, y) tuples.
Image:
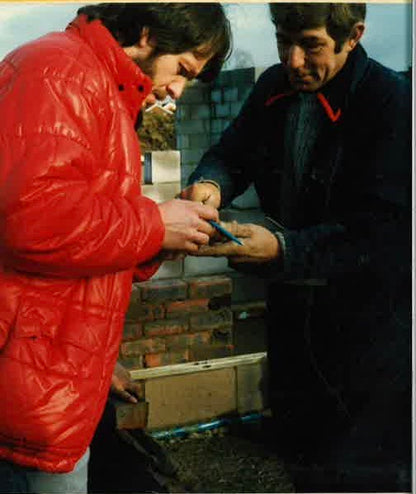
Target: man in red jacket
[(74, 227)]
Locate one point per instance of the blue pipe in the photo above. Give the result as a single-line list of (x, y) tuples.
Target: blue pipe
[(206, 426)]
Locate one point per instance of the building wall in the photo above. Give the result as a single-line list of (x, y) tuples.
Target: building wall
[(192, 308)]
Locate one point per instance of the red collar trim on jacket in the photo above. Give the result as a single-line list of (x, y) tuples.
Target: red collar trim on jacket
[(132, 83), (274, 98), (333, 116)]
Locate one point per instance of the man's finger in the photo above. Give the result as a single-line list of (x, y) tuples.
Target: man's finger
[(125, 395), (206, 212), (221, 249), (243, 230)]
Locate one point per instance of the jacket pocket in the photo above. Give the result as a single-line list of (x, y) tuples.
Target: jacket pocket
[(53, 338)]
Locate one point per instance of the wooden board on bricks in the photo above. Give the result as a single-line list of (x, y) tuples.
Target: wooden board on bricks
[(179, 400)]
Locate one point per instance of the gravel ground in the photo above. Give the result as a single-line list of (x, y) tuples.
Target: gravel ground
[(220, 462)]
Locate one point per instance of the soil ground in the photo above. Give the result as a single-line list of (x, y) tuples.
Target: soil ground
[(224, 461)]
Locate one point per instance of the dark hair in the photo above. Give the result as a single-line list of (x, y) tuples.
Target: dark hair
[(177, 27), (338, 18)]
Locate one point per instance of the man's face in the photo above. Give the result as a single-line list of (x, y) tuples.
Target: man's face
[(309, 57), (169, 73)]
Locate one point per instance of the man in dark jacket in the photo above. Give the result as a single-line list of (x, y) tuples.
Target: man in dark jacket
[(325, 138)]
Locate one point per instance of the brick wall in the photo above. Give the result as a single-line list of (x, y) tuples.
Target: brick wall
[(192, 309), (174, 321)]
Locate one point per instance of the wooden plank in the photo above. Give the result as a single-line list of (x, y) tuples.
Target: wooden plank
[(200, 366), (190, 398)]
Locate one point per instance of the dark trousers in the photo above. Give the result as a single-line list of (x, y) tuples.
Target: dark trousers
[(340, 387)]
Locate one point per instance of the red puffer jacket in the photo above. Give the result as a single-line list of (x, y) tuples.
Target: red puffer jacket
[(73, 228)]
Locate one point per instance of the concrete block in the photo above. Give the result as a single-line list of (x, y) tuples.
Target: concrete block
[(194, 266), (183, 111), (182, 141), (166, 166), (200, 111), (186, 171), (161, 192), (216, 96), (195, 93), (199, 141), (217, 125), (169, 269), (192, 126), (222, 110), (230, 94), (192, 155)]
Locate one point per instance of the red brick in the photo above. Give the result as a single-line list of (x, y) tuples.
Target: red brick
[(142, 312), (131, 415), (188, 340), (132, 331), (213, 319), (249, 310), (162, 290), (132, 362), (166, 327), (223, 335), (170, 358), (140, 347), (186, 307), (209, 286), (210, 352)]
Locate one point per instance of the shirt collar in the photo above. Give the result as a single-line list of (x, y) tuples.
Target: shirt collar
[(132, 83), (334, 96), (338, 90)]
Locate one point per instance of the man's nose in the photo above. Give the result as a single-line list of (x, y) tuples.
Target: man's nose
[(295, 57), (176, 88)]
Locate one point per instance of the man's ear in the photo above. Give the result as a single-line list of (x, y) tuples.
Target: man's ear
[(356, 34), (145, 40), (142, 50)]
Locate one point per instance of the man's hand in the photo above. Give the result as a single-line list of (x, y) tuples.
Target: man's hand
[(259, 245), (123, 387), (204, 192), (186, 228)]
